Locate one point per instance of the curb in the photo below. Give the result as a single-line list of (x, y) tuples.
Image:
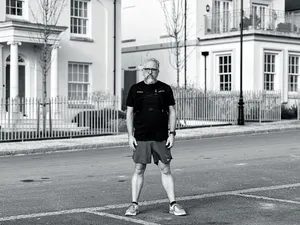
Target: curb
[(239, 133), (82, 147)]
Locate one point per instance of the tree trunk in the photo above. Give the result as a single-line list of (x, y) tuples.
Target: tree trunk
[(44, 97), (177, 62)]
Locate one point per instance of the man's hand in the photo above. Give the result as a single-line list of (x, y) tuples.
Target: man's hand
[(170, 141), (132, 142)]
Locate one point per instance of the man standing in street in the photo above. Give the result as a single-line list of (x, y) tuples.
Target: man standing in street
[(150, 116)]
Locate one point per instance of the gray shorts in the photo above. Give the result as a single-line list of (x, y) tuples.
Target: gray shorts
[(157, 149)]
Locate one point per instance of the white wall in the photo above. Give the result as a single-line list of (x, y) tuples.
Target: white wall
[(98, 50), (167, 71), (215, 49), (2, 10), (279, 5), (201, 8), (282, 48), (253, 61), (144, 21)]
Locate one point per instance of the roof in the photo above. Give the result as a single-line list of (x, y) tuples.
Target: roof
[(292, 5)]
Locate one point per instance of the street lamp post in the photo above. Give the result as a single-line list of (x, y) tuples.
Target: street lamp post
[(241, 101), (205, 54), (185, 69)]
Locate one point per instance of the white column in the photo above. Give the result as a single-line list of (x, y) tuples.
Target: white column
[(284, 79), (1, 74), (14, 69), (54, 82), (54, 72)]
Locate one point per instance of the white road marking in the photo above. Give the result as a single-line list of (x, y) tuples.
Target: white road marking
[(194, 197), (241, 164), (178, 170), (268, 206), (269, 199), (128, 219)]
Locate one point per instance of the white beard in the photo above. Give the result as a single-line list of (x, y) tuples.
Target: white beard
[(150, 80)]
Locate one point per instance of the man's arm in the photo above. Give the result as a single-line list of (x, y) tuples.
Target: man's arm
[(172, 117), (129, 122), (172, 122)]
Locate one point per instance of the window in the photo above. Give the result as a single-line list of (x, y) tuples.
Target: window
[(79, 17), (224, 72), (269, 71), (260, 12), (221, 11), (293, 73), (78, 81), (14, 7)]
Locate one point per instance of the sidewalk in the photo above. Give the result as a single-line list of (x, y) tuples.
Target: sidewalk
[(75, 144)]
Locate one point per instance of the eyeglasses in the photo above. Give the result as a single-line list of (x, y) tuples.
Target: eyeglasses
[(148, 70)]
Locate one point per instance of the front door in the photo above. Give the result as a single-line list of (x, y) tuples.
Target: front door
[(129, 80), (21, 85)]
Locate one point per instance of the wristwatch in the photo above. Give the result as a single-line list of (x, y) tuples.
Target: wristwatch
[(173, 132)]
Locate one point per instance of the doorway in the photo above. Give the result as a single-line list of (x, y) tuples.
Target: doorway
[(129, 80)]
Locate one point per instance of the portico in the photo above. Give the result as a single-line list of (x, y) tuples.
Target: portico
[(13, 36)]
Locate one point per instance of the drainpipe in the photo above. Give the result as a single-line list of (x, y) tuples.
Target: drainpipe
[(115, 44)]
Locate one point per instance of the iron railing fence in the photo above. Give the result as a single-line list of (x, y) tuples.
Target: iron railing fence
[(197, 108), (262, 106), (32, 118), (264, 20)]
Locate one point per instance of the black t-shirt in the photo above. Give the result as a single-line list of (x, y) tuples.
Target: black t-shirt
[(150, 115)]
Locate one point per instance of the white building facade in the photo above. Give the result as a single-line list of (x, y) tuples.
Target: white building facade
[(271, 44), (86, 56)]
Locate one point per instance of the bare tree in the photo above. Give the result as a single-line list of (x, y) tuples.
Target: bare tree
[(46, 17), (175, 18)]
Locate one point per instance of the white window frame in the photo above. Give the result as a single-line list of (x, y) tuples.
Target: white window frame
[(293, 72), (10, 8), (223, 70), (269, 71), (77, 81), (263, 13), (222, 15), (24, 15), (81, 18)]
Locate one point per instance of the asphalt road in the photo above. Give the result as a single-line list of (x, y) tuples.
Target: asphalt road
[(251, 179)]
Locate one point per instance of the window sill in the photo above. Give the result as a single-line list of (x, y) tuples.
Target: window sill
[(84, 39), (128, 40), (15, 18)]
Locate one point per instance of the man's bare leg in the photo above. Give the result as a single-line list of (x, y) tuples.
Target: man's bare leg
[(168, 183), (167, 180), (137, 181)]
